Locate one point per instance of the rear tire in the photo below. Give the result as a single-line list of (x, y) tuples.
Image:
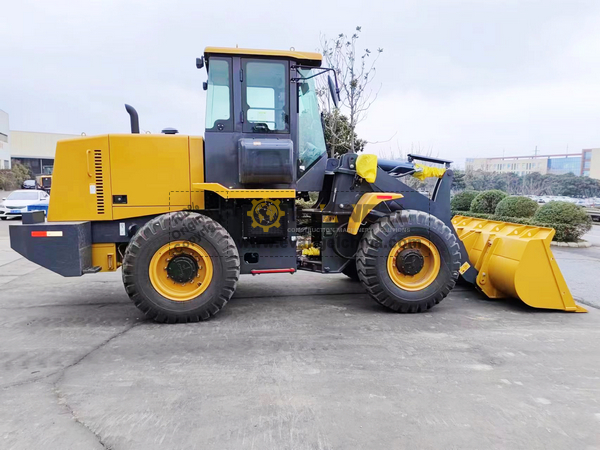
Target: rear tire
[(194, 236), (382, 281)]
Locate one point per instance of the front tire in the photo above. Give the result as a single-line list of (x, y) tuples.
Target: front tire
[(408, 261), (181, 267)]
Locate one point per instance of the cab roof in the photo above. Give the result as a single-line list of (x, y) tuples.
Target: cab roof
[(304, 58)]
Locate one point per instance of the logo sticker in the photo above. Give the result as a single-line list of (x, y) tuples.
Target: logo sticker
[(266, 214)]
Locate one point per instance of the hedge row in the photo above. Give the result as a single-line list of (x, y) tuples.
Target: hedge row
[(11, 179), (486, 201), (516, 206), (494, 202), (564, 232), (462, 201)]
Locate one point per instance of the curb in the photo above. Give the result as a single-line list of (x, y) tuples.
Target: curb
[(579, 244)]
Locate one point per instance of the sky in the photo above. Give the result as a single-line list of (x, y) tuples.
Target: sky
[(456, 79)]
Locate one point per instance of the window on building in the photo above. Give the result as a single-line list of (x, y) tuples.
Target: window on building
[(265, 99), (586, 164), (218, 96), (588, 156), (586, 173)]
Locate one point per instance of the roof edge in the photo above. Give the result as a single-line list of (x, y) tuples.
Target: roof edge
[(308, 58)]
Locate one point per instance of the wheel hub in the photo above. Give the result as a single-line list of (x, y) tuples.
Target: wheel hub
[(182, 268), (410, 262)]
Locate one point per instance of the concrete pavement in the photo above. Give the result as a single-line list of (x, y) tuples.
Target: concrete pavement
[(593, 236), (581, 268), (292, 362)]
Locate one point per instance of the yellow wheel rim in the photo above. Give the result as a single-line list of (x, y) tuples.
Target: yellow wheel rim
[(429, 271), (196, 261)]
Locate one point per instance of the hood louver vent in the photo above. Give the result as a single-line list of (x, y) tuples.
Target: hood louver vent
[(99, 181)]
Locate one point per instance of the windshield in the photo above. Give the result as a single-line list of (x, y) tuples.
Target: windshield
[(23, 196), (311, 139)]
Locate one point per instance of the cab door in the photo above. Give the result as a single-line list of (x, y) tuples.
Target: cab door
[(265, 97)]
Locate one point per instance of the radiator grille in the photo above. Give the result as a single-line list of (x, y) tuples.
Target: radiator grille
[(99, 181)]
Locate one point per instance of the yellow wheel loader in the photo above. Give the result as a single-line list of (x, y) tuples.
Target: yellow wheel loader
[(184, 216)]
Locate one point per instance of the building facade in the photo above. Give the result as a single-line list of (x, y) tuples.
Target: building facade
[(586, 163), (521, 165), (562, 166), (4, 144), (590, 163), (35, 150)]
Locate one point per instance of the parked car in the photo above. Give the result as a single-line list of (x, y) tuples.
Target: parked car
[(29, 184), (17, 202)]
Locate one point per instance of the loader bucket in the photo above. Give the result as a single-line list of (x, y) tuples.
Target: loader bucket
[(515, 261)]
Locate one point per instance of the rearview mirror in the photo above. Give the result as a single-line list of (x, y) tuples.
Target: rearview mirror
[(333, 90)]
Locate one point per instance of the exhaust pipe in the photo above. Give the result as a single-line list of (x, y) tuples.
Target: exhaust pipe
[(133, 117)]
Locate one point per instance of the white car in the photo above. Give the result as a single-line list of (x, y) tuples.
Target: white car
[(17, 202)]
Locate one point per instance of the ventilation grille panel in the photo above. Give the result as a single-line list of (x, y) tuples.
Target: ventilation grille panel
[(99, 181)]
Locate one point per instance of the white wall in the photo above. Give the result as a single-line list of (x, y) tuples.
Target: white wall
[(31, 144), (4, 141), (595, 164)]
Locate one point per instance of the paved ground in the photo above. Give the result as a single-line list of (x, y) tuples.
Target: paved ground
[(594, 235), (581, 268), (293, 362)]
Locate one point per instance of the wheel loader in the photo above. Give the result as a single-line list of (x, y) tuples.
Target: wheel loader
[(185, 216)]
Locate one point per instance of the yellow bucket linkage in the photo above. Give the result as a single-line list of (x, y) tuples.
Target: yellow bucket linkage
[(515, 261)]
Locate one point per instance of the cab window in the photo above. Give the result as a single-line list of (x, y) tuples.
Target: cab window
[(218, 96), (266, 106), (311, 138)]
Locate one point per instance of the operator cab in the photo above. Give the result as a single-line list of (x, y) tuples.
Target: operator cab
[(263, 125)]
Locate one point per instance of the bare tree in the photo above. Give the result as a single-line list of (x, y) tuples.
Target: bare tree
[(355, 70)]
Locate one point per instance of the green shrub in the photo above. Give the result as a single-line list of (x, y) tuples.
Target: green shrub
[(515, 206), (562, 212), (566, 213), (462, 200), (21, 172), (486, 201), (13, 179), (8, 181)]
